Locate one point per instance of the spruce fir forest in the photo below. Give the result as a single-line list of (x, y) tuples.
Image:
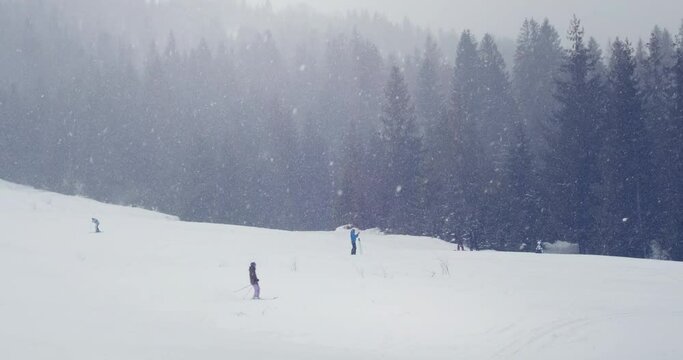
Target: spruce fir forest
[(224, 112)]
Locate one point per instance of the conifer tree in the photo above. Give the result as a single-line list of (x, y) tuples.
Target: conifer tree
[(497, 105), (403, 150), (572, 170), (349, 203), (429, 100), (657, 87), (595, 60), (497, 116), (314, 179), (627, 167), (368, 75), (469, 171), (520, 214), (677, 149), (538, 58)]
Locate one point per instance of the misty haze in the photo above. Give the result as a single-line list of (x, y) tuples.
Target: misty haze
[(397, 179), (606, 19)]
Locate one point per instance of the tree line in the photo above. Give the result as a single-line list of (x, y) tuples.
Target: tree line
[(313, 132)]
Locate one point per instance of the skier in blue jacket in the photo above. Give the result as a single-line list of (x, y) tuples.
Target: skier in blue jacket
[(354, 236)]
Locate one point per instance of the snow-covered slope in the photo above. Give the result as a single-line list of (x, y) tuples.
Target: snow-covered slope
[(152, 287)]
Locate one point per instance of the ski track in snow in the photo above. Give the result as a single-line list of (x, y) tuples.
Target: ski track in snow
[(152, 287)]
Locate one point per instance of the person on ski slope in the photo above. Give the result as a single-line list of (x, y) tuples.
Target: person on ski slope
[(97, 225), (254, 281), (461, 246), (354, 236)]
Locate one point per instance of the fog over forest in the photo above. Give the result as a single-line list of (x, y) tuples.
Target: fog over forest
[(606, 19), (290, 118)]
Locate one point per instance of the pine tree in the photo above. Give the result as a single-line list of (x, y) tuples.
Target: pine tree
[(351, 101), (468, 170), (627, 168), (640, 58), (538, 61), (524, 54), (538, 58), (429, 100), (283, 169), (350, 203), (314, 178), (520, 213), (598, 68), (657, 87), (572, 165), (336, 96), (154, 128), (497, 117), (497, 105), (677, 149), (368, 75), (403, 150)]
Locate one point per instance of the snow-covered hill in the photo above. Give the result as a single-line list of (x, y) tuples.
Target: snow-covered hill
[(152, 287)]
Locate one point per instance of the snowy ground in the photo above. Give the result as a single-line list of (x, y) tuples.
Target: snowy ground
[(152, 287)]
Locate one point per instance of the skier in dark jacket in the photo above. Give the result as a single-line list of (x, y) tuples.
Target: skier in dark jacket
[(97, 224), (461, 246), (254, 281), (354, 236)]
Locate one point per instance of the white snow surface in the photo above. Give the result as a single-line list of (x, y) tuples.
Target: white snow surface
[(153, 287)]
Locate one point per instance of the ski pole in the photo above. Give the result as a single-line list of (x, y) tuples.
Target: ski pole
[(240, 289)]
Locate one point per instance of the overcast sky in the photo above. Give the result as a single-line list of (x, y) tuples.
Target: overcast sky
[(603, 19)]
